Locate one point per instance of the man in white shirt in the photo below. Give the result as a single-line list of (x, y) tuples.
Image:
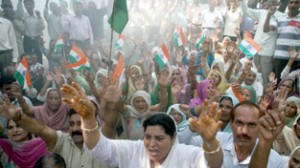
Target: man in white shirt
[(79, 27), (266, 40), (18, 24), (34, 26), (54, 20), (212, 20), (8, 44), (239, 145)]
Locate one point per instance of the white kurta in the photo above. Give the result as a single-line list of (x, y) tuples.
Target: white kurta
[(126, 153)]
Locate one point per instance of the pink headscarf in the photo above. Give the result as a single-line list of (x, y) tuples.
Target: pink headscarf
[(54, 119), (24, 154), (202, 93), (184, 78)]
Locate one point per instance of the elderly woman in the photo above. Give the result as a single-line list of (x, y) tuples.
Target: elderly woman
[(180, 116), (250, 78), (206, 89), (53, 112), (218, 78), (249, 93), (159, 147), (134, 115), (288, 139), (20, 150), (180, 89), (291, 112)]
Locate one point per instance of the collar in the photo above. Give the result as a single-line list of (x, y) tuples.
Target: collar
[(231, 149)]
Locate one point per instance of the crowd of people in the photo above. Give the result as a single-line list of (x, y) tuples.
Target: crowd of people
[(211, 103)]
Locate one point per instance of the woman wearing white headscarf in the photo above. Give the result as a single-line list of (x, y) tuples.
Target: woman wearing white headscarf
[(288, 139), (134, 115), (184, 132), (251, 79)]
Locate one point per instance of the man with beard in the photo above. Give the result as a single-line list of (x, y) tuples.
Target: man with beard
[(239, 145), (68, 145)]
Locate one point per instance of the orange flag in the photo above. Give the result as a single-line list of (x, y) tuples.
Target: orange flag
[(119, 68)]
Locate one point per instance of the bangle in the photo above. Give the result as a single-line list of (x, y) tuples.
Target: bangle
[(95, 129), (212, 152), (19, 118)]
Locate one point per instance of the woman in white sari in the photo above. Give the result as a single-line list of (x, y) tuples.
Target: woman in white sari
[(159, 147)]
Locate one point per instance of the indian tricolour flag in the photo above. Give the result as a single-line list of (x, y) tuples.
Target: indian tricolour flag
[(22, 74), (119, 44), (178, 37), (78, 59), (200, 40), (59, 43), (249, 47), (162, 56)]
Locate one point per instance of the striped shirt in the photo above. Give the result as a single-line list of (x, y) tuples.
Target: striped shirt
[(288, 35)]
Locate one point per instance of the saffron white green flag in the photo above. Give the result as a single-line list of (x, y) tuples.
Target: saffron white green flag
[(200, 40), (78, 59), (162, 56), (59, 43), (119, 44), (178, 37), (249, 47), (22, 74)]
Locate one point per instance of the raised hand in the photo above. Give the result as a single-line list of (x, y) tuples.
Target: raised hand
[(49, 77), (279, 100), (163, 78), (76, 99), (264, 103), (112, 94), (58, 77), (271, 11), (293, 53), (89, 77), (7, 110), (230, 49), (139, 84), (273, 79), (271, 125), (208, 122), (176, 87), (16, 91), (205, 46)]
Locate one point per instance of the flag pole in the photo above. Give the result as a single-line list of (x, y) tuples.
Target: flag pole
[(111, 37)]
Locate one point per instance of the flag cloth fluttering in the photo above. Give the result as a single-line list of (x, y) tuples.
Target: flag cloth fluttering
[(119, 16), (179, 37), (22, 74), (119, 44), (249, 47), (200, 40), (59, 43), (162, 56), (119, 68), (78, 59)]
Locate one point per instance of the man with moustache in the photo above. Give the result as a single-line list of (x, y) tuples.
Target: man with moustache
[(239, 145), (68, 145)]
